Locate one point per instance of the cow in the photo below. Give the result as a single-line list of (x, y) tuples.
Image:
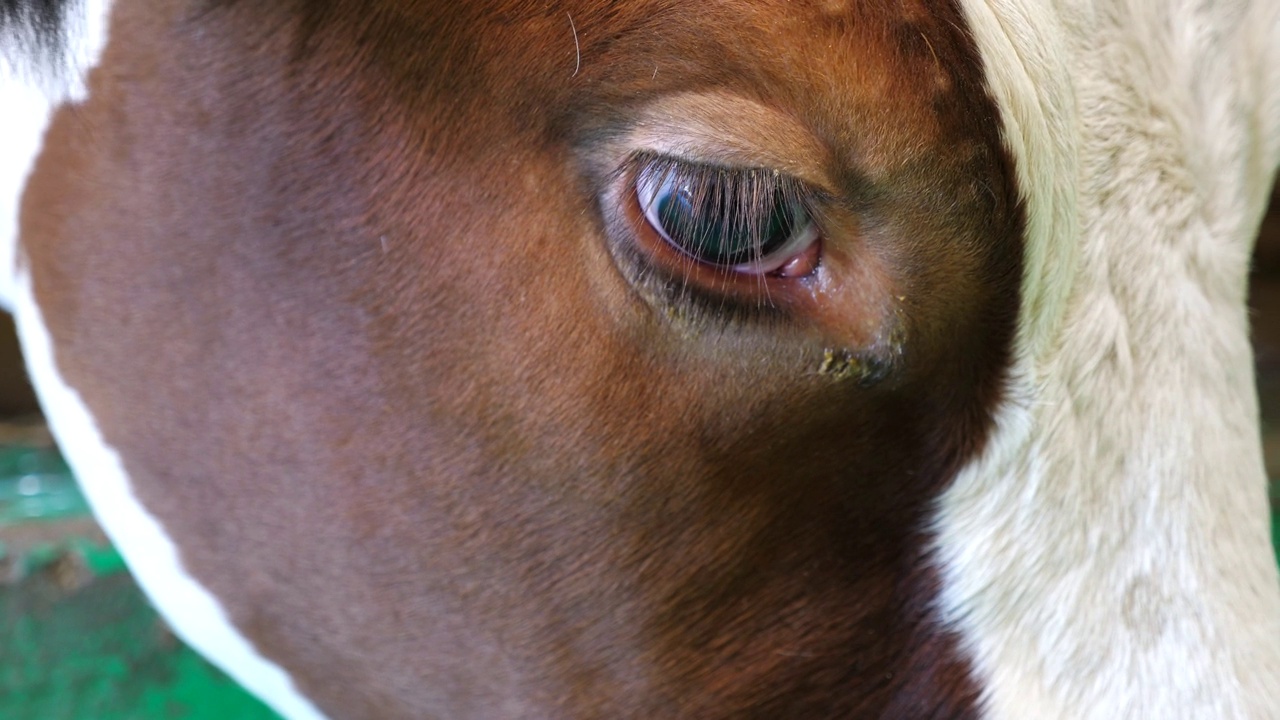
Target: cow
[(663, 358)]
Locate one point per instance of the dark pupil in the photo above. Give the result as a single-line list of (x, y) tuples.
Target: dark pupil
[(723, 230)]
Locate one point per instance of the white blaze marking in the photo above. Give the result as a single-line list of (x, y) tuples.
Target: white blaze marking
[(22, 122), (21, 127), (1109, 554), (27, 98)]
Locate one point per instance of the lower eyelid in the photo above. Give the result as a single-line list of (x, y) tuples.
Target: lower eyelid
[(808, 235)]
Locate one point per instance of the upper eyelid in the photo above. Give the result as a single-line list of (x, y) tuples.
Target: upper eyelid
[(720, 127)]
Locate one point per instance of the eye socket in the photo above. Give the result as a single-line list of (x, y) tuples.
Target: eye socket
[(747, 220)]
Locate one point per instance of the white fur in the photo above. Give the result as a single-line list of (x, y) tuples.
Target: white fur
[(27, 95), (26, 111), (1109, 554), (30, 86)]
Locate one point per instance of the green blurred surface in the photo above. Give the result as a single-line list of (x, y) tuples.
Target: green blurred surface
[(78, 641), (36, 484)]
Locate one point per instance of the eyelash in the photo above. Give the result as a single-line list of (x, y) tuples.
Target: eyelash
[(751, 205)]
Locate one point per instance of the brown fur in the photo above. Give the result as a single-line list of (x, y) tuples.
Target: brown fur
[(343, 284)]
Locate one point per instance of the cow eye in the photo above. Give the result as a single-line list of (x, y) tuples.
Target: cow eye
[(747, 220)]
